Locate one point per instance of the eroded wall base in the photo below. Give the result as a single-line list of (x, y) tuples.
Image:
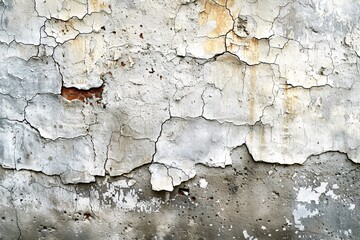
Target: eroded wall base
[(246, 201)]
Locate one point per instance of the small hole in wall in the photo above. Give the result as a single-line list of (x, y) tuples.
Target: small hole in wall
[(74, 93), (183, 191), (87, 215)]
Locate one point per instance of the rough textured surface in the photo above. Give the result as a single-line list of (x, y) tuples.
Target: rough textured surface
[(208, 113), (249, 200)]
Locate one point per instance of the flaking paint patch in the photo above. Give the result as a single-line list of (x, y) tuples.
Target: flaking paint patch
[(302, 212), (214, 17)]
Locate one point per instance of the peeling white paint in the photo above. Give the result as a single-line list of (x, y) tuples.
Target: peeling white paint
[(247, 236), (185, 83), (308, 194), (302, 212), (203, 183)]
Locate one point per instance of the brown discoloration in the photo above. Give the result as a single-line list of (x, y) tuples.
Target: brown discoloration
[(95, 4), (99, 6), (215, 13), (102, 6), (221, 2), (77, 94), (230, 3), (216, 45), (259, 141), (248, 47), (253, 49)]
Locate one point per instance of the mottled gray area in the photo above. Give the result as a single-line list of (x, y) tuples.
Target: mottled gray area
[(241, 201)]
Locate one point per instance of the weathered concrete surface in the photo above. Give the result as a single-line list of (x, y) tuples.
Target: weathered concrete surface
[(248, 200), (112, 103)]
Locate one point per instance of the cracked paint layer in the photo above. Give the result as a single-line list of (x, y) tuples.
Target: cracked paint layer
[(23, 148), (229, 62), (211, 142), (94, 89)]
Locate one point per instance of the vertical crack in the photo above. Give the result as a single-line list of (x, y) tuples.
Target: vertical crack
[(16, 214)]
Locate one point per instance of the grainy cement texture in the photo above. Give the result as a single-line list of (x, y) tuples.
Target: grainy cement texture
[(182, 119)]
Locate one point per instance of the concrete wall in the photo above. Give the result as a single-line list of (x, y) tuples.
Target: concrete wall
[(185, 119)]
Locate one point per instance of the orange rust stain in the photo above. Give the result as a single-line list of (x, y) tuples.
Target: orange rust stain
[(249, 47), (98, 6), (221, 2), (102, 6), (76, 94), (95, 4), (216, 45), (230, 3), (253, 49), (213, 12)]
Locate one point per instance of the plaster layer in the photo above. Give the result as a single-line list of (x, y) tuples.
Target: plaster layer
[(94, 91), (293, 93)]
